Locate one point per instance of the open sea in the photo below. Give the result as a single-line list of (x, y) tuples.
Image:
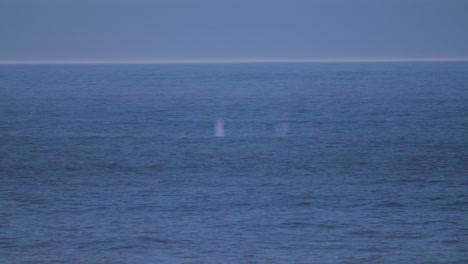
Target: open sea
[(234, 163)]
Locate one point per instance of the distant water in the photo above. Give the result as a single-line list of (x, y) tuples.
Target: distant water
[(312, 163)]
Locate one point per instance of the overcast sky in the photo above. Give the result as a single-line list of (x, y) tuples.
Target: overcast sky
[(51, 30)]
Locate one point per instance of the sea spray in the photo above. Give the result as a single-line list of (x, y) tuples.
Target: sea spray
[(219, 128)]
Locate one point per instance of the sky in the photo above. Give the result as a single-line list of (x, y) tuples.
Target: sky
[(232, 30)]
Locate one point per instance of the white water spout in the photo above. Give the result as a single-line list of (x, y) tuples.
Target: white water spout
[(219, 128)]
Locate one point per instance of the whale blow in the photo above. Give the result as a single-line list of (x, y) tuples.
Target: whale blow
[(219, 128)]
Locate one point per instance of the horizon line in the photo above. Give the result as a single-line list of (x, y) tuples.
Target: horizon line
[(227, 61)]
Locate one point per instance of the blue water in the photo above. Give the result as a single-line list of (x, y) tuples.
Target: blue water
[(317, 163)]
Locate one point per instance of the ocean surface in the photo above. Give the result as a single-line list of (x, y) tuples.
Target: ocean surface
[(234, 163)]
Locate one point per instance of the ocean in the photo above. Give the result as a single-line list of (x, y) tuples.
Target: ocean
[(234, 163)]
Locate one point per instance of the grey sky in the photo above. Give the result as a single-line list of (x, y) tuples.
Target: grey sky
[(41, 30)]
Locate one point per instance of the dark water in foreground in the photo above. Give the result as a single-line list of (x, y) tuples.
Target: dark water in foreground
[(319, 163)]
